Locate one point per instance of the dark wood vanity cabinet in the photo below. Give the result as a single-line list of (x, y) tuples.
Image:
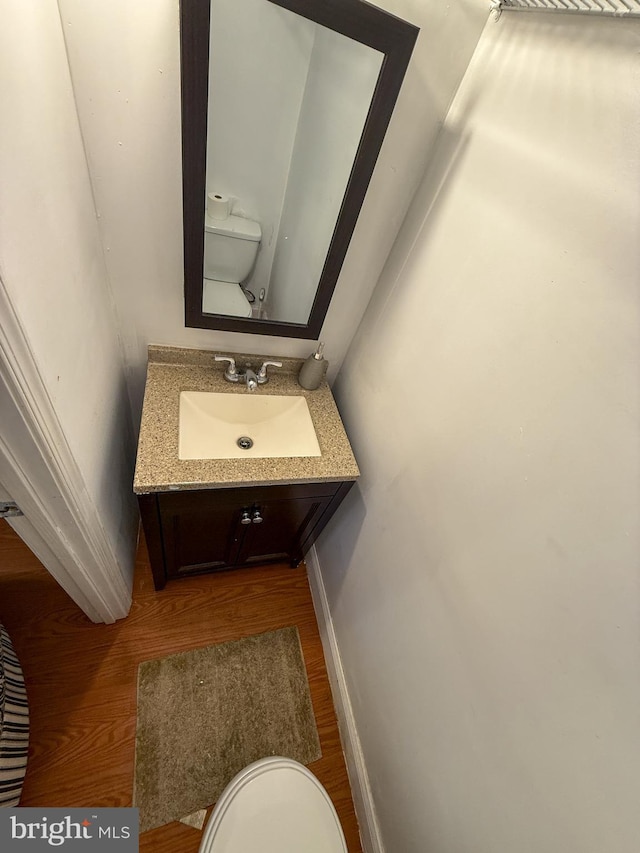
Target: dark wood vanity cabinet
[(207, 530)]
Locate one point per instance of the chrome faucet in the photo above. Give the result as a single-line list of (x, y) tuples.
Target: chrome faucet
[(246, 374), (251, 379)]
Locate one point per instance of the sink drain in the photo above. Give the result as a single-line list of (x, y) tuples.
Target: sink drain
[(245, 442)]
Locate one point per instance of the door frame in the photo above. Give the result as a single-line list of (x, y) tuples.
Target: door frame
[(61, 524)]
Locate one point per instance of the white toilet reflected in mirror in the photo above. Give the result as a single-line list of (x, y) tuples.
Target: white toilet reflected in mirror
[(230, 250)]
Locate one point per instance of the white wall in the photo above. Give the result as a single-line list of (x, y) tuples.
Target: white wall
[(259, 59), (483, 575), (52, 264), (124, 60), (339, 87)]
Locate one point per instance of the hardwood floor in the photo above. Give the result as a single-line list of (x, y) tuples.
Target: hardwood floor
[(81, 677)]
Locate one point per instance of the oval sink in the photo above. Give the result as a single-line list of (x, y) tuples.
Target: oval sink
[(241, 426)]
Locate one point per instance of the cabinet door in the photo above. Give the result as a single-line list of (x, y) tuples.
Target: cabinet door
[(201, 532), (278, 529)]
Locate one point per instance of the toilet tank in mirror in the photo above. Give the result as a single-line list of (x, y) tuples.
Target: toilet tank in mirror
[(285, 104)]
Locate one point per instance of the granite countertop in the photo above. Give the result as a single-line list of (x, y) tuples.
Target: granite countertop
[(172, 369)]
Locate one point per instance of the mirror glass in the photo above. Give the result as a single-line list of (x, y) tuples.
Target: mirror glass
[(285, 105), (288, 100)]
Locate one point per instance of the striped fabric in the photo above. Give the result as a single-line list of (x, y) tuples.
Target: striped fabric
[(14, 724)]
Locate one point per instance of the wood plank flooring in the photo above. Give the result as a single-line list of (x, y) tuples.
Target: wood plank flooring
[(81, 677)]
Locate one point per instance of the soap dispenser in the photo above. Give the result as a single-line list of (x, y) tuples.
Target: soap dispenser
[(313, 370)]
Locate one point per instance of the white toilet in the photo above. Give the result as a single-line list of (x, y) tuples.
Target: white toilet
[(230, 249), (274, 805)]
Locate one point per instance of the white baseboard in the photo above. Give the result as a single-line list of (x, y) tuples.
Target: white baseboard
[(358, 777)]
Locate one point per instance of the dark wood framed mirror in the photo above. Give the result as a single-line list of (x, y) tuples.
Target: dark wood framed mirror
[(356, 56)]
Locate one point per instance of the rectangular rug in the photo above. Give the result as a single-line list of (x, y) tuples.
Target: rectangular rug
[(205, 714)]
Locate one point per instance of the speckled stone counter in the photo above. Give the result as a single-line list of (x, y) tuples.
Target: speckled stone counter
[(172, 370)]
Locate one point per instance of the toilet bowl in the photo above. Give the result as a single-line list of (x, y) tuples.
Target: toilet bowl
[(274, 805), (224, 297)]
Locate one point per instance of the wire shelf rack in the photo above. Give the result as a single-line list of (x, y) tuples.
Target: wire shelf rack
[(612, 8)]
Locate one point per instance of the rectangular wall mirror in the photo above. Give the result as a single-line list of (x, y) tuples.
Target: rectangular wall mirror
[(285, 104)]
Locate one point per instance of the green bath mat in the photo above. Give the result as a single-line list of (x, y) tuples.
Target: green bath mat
[(205, 714)]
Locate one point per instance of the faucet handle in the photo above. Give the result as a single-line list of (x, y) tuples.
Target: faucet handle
[(262, 373), (231, 369)]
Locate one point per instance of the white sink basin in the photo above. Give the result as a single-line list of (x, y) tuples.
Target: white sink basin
[(211, 424)]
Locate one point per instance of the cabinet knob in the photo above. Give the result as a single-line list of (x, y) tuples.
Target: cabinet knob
[(257, 518), (245, 518)]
